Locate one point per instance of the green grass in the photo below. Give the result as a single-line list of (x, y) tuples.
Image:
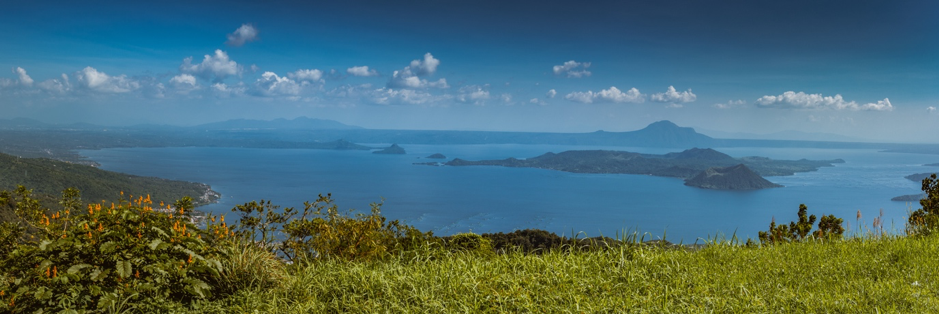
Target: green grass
[(870, 274)]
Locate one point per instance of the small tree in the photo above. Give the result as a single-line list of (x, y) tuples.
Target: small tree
[(925, 220), (828, 227)]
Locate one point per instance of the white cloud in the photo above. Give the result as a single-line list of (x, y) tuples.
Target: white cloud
[(364, 71), (184, 79), (254, 68), (674, 106), (425, 67), (473, 93), (612, 94), (22, 77), (729, 104), (801, 100), (100, 82), (410, 76), (551, 93), (218, 66), (243, 34), (572, 69), (387, 96), (930, 109), (272, 85), (311, 75), (506, 98), (672, 95), (56, 86), (404, 79), (184, 83)]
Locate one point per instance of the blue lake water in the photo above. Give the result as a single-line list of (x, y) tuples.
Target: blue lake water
[(449, 200)]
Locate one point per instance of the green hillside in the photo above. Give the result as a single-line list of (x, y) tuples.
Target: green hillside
[(49, 177)]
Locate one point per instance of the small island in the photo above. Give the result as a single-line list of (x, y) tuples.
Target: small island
[(932, 165), (394, 149), (918, 178), (686, 165), (437, 156), (737, 177)]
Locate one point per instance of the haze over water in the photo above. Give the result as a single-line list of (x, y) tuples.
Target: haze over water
[(449, 200)]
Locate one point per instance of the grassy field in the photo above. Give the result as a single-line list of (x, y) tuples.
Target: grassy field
[(868, 274)]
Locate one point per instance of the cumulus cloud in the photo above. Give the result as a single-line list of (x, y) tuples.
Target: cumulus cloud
[(930, 109), (311, 75), (387, 96), (473, 94), (801, 100), (365, 71), (217, 66), (411, 76), (673, 96), (270, 84), (184, 83), (729, 104), (96, 81), (551, 93), (572, 69), (22, 77), (612, 94), (243, 34), (56, 86), (506, 98), (425, 67)]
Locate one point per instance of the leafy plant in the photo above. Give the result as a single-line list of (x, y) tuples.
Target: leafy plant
[(828, 227), (321, 231), (103, 257), (925, 220)]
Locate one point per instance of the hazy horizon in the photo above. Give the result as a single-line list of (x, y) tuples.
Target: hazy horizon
[(864, 70)]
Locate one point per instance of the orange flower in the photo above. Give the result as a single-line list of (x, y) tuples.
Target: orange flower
[(122, 192), (55, 271), (137, 274), (47, 272), (190, 259)]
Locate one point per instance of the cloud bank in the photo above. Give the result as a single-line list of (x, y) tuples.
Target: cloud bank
[(801, 100)]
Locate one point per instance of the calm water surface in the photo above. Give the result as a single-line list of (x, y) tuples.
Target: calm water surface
[(491, 199)]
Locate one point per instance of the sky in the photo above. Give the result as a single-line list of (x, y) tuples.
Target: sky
[(863, 69)]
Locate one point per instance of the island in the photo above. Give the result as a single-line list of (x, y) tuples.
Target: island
[(932, 165), (437, 156), (737, 177), (394, 149), (685, 165), (918, 178)]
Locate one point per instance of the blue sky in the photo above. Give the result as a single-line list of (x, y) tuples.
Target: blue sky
[(864, 69)]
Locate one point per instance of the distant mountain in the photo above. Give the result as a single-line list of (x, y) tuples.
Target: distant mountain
[(666, 132), (737, 177), (301, 123)]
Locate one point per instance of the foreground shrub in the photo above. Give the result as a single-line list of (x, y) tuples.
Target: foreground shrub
[(828, 228), (106, 257), (527, 240), (321, 231), (925, 220)]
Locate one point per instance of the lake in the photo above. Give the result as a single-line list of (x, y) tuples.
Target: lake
[(450, 200)]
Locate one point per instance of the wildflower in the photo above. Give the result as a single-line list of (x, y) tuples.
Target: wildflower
[(55, 271), (190, 259), (122, 193), (137, 274), (89, 234), (859, 214), (47, 272)]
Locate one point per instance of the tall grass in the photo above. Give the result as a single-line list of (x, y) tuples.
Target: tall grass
[(890, 274)]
